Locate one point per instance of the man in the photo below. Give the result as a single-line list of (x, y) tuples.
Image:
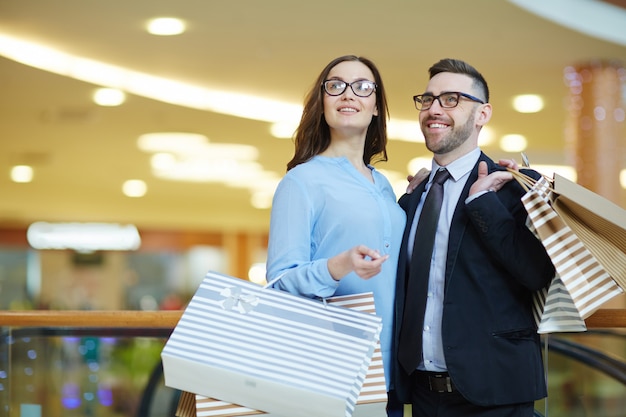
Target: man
[(465, 339)]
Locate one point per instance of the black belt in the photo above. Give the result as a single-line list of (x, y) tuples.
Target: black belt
[(434, 381)]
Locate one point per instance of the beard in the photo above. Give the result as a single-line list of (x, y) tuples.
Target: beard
[(452, 140)]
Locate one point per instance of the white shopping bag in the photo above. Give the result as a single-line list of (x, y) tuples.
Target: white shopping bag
[(269, 350)]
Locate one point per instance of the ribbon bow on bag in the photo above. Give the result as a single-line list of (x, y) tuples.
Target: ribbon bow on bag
[(235, 299), (581, 284), (243, 303)]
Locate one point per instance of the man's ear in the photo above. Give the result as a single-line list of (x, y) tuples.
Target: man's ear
[(484, 114)]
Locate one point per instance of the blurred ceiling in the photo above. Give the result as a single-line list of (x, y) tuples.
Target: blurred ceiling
[(82, 153)]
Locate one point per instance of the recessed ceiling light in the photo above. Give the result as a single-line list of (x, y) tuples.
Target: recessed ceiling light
[(166, 26), (134, 188), (528, 103), (22, 173), (513, 143), (109, 97)]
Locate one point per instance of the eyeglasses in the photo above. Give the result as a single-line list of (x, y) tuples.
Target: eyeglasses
[(446, 100), (362, 88)]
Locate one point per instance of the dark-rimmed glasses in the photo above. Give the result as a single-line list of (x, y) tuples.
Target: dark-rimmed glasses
[(361, 88), (447, 100)]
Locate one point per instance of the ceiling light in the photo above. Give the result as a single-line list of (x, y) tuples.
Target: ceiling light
[(109, 97), (22, 173), (134, 188), (528, 103), (83, 237), (165, 26), (166, 90), (513, 143), (194, 145), (162, 161), (175, 142)]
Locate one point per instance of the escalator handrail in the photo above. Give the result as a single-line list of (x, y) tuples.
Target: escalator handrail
[(593, 358)]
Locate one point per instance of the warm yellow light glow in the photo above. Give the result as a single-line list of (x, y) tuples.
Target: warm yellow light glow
[(172, 91), (146, 85), (166, 26), (84, 237), (134, 188), (256, 273), (486, 136), (22, 173), (191, 157), (565, 171), (404, 130), (622, 178), (513, 143), (418, 163), (528, 103), (109, 97), (283, 130), (175, 142), (262, 199), (162, 161)]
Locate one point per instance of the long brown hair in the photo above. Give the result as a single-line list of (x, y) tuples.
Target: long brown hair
[(313, 134)]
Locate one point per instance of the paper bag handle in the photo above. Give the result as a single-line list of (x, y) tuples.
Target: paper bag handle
[(527, 182)]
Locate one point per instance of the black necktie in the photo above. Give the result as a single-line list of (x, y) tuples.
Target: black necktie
[(410, 346)]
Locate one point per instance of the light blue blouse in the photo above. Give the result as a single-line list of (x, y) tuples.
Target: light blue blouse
[(322, 208)]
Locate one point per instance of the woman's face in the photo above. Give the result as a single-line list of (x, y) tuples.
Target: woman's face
[(348, 114)]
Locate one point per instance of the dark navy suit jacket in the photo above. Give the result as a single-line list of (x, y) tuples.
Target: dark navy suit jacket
[(494, 265)]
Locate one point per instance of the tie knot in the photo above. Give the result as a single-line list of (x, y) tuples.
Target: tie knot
[(441, 176)]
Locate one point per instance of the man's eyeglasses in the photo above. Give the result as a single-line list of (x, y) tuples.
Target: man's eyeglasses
[(446, 100), (361, 88)]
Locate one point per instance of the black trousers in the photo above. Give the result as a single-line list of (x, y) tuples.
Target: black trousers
[(427, 402)]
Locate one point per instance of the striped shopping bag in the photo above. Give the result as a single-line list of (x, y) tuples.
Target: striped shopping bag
[(371, 401), (582, 284), (269, 350)]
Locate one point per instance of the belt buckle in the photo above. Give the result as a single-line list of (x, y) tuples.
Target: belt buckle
[(443, 383)]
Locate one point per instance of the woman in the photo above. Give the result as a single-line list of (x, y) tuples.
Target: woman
[(335, 226)]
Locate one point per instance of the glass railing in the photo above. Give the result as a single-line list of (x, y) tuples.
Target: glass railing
[(107, 364)]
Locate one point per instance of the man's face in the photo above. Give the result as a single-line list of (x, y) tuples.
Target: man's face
[(449, 129)]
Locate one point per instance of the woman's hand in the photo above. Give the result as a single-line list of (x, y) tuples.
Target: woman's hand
[(365, 262)]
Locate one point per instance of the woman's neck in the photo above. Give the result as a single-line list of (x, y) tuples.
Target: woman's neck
[(353, 152)]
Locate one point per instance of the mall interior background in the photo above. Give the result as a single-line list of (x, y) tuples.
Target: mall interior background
[(259, 59)]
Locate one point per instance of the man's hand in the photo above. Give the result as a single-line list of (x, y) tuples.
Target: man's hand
[(415, 180), (489, 182)]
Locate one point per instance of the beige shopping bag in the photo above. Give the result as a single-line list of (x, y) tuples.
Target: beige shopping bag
[(553, 307), (371, 401), (598, 223), (580, 278)]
